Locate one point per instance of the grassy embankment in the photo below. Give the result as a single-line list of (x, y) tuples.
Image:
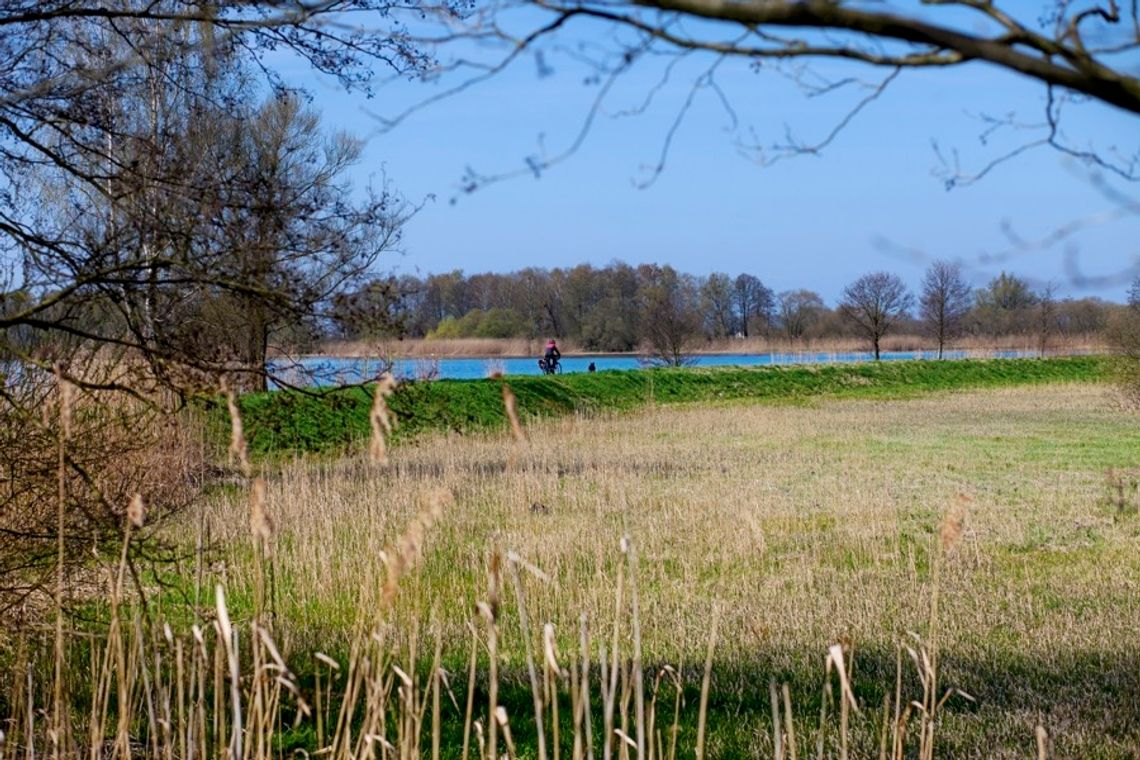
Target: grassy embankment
[(334, 420)]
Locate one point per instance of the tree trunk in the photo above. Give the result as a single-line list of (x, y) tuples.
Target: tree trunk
[(256, 347)]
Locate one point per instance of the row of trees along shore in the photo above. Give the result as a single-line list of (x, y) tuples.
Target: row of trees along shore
[(657, 309)]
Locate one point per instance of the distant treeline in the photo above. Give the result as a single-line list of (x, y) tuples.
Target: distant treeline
[(622, 307)]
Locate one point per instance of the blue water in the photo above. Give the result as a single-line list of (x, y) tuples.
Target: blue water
[(325, 370)]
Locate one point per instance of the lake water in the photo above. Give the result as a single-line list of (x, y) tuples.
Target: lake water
[(327, 370)]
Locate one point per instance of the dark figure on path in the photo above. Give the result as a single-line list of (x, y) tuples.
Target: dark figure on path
[(591, 368)]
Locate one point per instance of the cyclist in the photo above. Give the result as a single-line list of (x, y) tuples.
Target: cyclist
[(552, 354)]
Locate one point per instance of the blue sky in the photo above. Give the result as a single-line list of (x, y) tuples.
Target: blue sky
[(872, 200)]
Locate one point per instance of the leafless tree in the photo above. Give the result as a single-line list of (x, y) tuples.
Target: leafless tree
[(119, 152), (1046, 316), (945, 301), (755, 302), (142, 199), (292, 236), (1074, 52), (875, 303), (1067, 46), (670, 315), (798, 310), (716, 301)]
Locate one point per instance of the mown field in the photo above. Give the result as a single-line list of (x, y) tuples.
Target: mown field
[(956, 535)]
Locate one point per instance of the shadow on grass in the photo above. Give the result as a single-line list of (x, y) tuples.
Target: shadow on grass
[(1088, 702)]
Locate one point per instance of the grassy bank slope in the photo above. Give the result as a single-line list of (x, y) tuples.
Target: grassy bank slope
[(285, 422), (288, 422)]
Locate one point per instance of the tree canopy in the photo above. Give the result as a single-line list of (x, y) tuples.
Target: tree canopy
[(144, 192), (167, 205)]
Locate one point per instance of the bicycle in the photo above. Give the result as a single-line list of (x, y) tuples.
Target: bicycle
[(552, 367)]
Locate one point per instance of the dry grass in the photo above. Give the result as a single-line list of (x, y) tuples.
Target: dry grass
[(807, 526), (91, 450), (766, 542)]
